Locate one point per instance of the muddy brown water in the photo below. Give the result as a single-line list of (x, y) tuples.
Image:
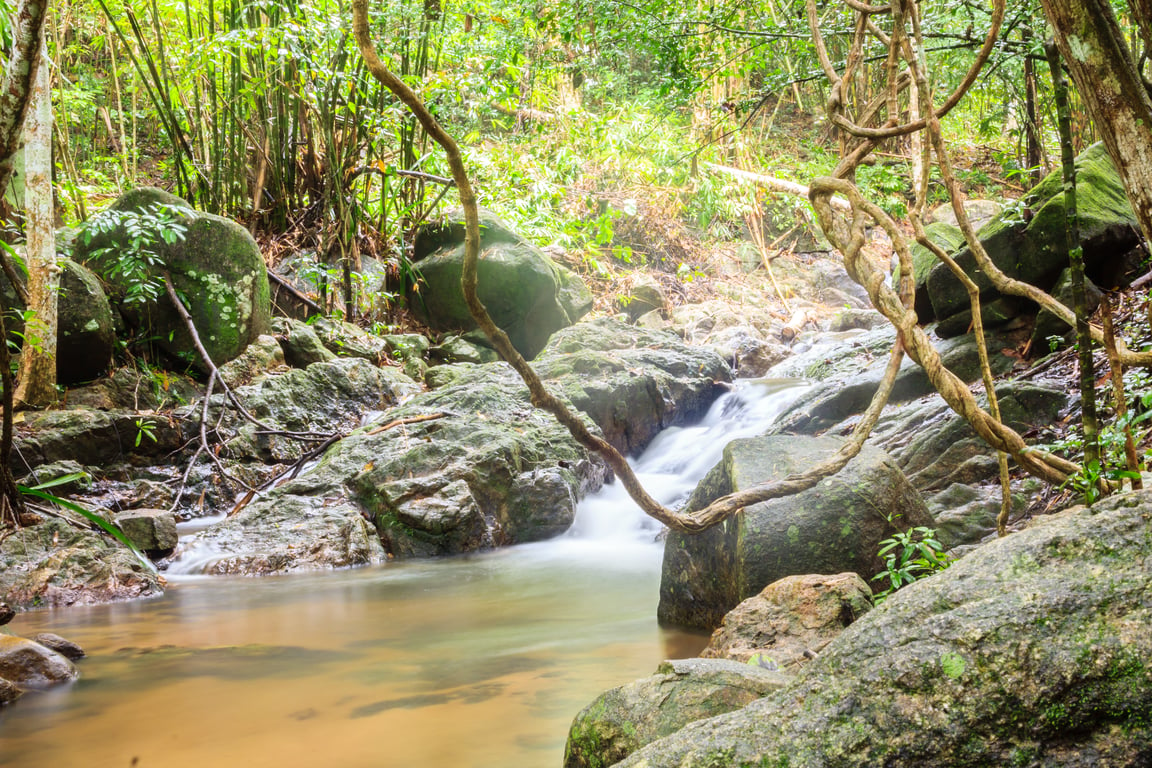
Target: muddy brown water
[(469, 662)]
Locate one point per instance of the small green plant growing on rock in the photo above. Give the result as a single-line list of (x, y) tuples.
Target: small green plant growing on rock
[(132, 255), (908, 557)]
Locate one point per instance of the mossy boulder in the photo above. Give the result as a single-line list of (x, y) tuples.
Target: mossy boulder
[(833, 527), (468, 466), (950, 239), (626, 718), (217, 268), (1049, 325), (1032, 650), (55, 564), (1028, 240), (527, 294), (85, 332)]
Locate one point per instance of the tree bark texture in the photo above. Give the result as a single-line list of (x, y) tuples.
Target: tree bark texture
[(1102, 67), (37, 387)]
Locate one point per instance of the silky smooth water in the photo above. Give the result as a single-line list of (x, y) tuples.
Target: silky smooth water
[(468, 662)]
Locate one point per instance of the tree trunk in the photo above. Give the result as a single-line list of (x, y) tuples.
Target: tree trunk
[(37, 377), (1102, 67)]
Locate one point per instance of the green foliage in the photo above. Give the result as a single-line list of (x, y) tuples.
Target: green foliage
[(908, 557), (144, 429), (952, 664), (132, 256), (113, 530)]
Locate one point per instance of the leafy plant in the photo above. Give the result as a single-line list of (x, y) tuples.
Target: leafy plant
[(908, 557), (134, 238), (144, 428), (39, 492)]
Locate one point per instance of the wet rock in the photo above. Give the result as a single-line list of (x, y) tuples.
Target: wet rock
[(526, 293), (448, 375), (54, 564), (1031, 650), (132, 390), (9, 692), (31, 666), (261, 356), (851, 375), (624, 719), (6, 613), (833, 527), (966, 514), (323, 398), (791, 620), (293, 533), (217, 266), (57, 471), (849, 319), (457, 349), (935, 447), (65, 648), (300, 343), (644, 295), (473, 464), (749, 354), (350, 340), (1048, 325), (979, 213), (948, 237), (153, 531), (410, 350)]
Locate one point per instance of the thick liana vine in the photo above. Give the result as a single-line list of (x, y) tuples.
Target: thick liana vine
[(687, 522)]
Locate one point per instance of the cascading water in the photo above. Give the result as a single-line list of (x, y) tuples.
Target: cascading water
[(679, 457), (471, 662)]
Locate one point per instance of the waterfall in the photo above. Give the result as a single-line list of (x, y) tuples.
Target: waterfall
[(679, 457)]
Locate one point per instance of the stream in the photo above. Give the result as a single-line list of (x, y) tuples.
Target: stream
[(477, 661)]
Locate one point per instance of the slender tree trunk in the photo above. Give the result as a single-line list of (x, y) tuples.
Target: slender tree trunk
[(1101, 66), (23, 61), (1076, 263), (37, 387)]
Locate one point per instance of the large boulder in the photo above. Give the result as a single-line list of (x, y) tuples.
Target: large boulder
[(93, 437), (217, 268), (33, 666), (85, 333), (471, 465), (526, 293), (1028, 241), (791, 620), (55, 564), (324, 398), (1031, 650), (624, 719), (833, 527)]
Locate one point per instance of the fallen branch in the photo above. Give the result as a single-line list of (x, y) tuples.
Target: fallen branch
[(409, 420), (774, 184)]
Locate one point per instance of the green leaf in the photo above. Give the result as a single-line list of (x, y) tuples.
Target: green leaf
[(62, 480), (110, 528)]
